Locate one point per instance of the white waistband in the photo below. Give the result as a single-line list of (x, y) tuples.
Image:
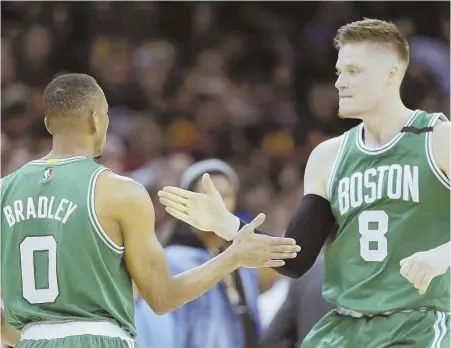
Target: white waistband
[(51, 331)]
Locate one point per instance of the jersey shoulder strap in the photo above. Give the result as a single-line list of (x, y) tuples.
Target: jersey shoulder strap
[(424, 123)]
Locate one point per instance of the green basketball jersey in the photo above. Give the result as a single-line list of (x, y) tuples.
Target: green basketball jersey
[(57, 262), (389, 202)]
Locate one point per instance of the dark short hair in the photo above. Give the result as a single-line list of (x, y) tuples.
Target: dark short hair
[(68, 95)]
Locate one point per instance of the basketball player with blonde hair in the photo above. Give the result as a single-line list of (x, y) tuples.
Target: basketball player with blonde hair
[(385, 185)]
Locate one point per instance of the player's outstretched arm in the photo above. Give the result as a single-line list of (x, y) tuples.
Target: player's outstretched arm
[(132, 208), (310, 226)]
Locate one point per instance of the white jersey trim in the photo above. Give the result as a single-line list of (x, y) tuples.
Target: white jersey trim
[(1, 186), (439, 330), (335, 165), (381, 149), (58, 160), (93, 216)]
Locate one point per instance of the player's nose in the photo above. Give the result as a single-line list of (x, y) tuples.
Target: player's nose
[(340, 83)]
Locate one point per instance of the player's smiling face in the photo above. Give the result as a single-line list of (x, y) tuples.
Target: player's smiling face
[(362, 78)]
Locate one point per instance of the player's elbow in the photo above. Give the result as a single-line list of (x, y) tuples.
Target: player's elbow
[(310, 227), (297, 267), (162, 301), (164, 308), (290, 273), (160, 305), (161, 311)]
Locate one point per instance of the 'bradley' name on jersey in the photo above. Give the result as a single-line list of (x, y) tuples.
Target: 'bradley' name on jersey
[(394, 181), (42, 208)]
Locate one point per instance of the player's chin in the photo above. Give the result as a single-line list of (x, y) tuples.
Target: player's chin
[(346, 112)]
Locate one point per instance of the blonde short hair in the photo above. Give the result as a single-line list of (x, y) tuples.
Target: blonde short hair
[(373, 31)]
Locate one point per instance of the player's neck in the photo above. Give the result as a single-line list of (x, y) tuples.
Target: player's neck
[(70, 146), (385, 122)]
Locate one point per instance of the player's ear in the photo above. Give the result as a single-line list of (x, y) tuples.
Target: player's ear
[(94, 122), (393, 73), (46, 122)]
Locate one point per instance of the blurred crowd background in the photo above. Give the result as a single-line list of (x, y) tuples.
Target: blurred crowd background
[(251, 83)]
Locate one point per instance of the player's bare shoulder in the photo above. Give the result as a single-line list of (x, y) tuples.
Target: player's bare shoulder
[(118, 201), (119, 191), (319, 166), (328, 148), (441, 139)]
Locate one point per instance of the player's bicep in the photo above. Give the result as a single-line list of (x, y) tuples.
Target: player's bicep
[(312, 181), (441, 146), (144, 255), (319, 166)]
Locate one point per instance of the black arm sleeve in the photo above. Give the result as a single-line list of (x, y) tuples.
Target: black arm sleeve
[(310, 226)]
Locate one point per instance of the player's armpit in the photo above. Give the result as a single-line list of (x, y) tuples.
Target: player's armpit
[(10, 335), (136, 293), (441, 145)]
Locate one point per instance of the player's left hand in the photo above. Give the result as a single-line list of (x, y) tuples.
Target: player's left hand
[(422, 267)]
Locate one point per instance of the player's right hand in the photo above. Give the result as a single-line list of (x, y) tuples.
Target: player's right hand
[(204, 211), (255, 250)]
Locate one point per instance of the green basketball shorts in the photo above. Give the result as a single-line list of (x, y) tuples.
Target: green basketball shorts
[(415, 329)]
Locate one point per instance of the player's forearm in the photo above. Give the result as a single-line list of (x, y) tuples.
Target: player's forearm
[(310, 227), (444, 250), (191, 284), (10, 335)]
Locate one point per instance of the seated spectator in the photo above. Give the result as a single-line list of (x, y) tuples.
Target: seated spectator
[(227, 315)]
